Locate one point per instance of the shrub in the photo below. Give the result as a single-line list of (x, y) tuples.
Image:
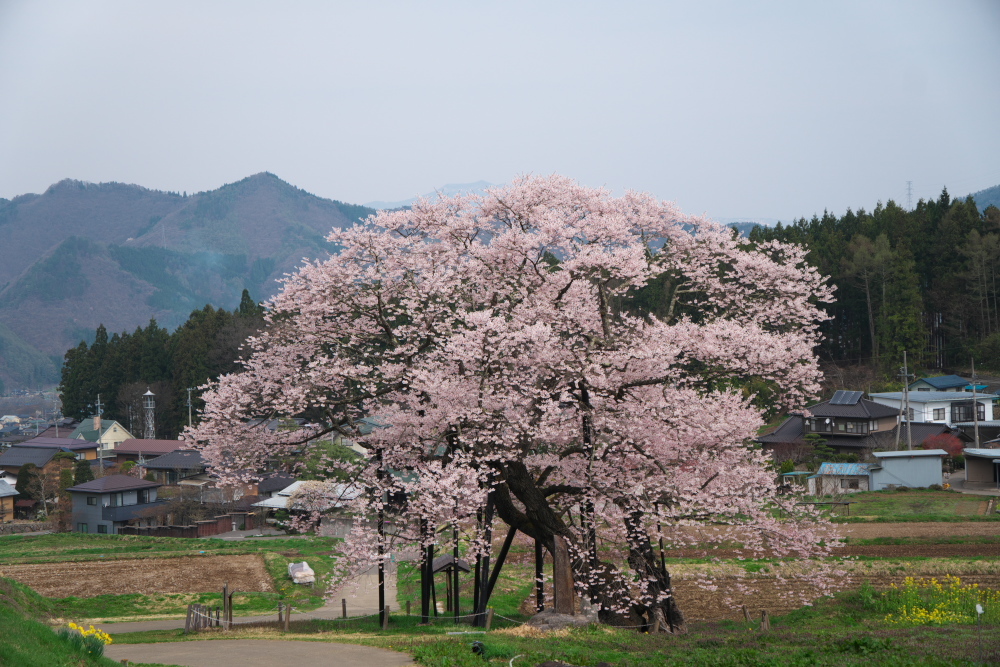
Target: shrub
[(935, 487), (902, 488)]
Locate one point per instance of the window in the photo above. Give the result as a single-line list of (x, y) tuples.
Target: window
[(81, 528), (962, 412), (91, 500), (923, 388), (849, 484), (143, 495), (938, 414), (101, 528), (873, 425)]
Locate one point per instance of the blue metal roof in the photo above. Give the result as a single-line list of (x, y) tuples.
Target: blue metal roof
[(843, 469), (946, 381)]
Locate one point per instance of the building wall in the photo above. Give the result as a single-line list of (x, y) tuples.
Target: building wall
[(832, 485), (92, 515), (915, 472), (7, 509), (980, 469)]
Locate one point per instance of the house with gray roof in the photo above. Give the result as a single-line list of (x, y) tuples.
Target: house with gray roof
[(916, 469), (7, 494), (982, 467), (106, 504), (837, 478), (176, 466), (940, 407), (945, 383)]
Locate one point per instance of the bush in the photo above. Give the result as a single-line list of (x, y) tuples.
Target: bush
[(902, 488), (935, 487)]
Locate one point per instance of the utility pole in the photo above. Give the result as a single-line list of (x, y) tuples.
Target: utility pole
[(189, 390), (904, 410), (975, 403), (100, 446)]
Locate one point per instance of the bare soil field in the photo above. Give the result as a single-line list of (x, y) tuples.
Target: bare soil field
[(921, 530), (149, 576), (961, 550), (698, 604)]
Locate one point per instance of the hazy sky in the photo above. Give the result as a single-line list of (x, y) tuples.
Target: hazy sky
[(757, 109)]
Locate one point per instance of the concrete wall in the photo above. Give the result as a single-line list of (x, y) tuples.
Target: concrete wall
[(835, 484), (915, 472), (92, 515)]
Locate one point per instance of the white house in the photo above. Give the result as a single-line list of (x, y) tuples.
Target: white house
[(940, 407), (836, 478), (916, 469)]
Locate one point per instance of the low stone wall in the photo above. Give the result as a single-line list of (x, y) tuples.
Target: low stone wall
[(25, 527)]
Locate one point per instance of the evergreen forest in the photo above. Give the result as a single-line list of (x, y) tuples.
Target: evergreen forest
[(119, 369), (924, 281)]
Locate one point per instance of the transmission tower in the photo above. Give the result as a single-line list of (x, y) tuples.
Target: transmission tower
[(909, 195), (149, 407)]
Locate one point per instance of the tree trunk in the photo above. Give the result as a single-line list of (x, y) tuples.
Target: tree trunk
[(539, 520)]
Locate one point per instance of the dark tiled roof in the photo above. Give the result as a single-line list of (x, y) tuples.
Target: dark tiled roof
[(791, 431), (113, 483), (275, 483), (65, 443), (18, 455), (140, 446), (863, 409), (181, 459)]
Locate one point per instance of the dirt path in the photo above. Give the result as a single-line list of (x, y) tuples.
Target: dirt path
[(257, 653), (928, 529)]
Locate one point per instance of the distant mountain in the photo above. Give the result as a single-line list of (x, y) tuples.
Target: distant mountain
[(83, 254), (986, 198), (449, 190)]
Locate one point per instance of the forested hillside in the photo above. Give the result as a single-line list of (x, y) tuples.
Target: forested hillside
[(84, 254), (924, 281), (120, 368)]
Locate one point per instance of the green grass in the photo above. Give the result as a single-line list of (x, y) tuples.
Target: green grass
[(277, 553), (25, 641), (842, 631), (911, 505)]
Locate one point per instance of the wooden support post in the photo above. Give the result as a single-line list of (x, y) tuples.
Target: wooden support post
[(562, 578), (385, 618), (656, 623), (187, 621), (746, 614), (343, 606), (288, 616), (539, 581), (454, 573), (279, 613), (501, 557), (231, 594), (765, 621), (489, 618), (225, 601), (407, 607)]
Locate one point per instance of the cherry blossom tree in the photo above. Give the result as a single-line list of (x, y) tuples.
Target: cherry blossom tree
[(492, 336)]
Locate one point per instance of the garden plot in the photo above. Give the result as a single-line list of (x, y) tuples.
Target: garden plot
[(149, 576)]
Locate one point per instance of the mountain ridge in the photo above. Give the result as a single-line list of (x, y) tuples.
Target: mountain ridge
[(82, 254)]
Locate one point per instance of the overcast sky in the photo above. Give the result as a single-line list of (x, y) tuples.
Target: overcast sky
[(735, 109)]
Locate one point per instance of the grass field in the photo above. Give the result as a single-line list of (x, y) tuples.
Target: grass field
[(136, 583), (848, 630), (909, 505)]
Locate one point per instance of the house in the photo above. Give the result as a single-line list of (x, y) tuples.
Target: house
[(918, 468), (836, 478), (847, 422), (60, 429), (16, 456), (176, 466), (337, 495), (267, 487), (941, 407), (81, 448), (108, 433), (106, 504), (945, 383), (982, 466), (141, 451), (7, 493)]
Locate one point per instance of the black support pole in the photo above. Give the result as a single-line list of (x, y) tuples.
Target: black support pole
[(501, 557), (539, 582), (454, 574), (480, 619)]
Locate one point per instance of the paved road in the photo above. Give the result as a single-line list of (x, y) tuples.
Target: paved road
[(257, 653)]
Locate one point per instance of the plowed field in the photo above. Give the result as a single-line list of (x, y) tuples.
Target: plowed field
[(149, 576)]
